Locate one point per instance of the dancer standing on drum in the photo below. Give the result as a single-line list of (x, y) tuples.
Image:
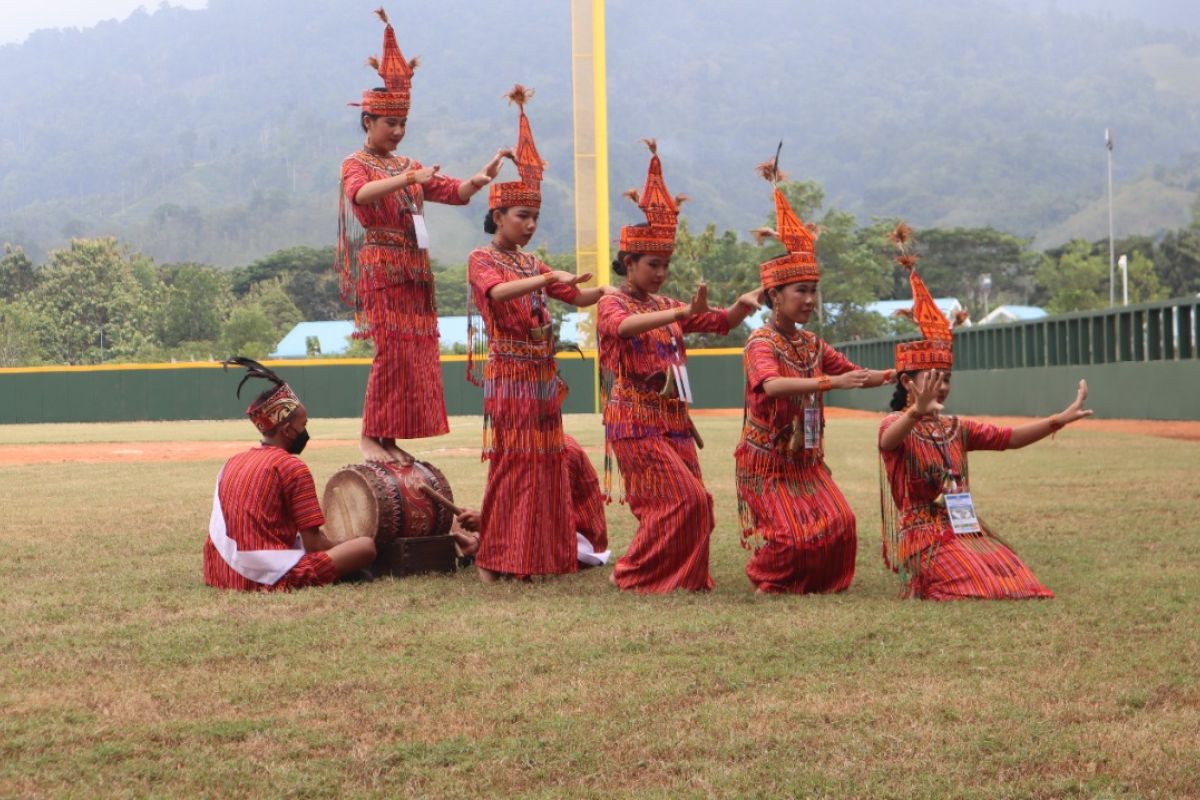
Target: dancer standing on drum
[(646, 422), (527, 520), (932, 537), (793, 515), (265, 530), (384, 270)]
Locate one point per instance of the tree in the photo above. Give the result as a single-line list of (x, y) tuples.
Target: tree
[(953, 263), (275, 303), (18, 335), (728, 266), (450, 290), (196, 299), (91, 305), (1177, 261), (1077, 281), (248, 332), (18, 276)]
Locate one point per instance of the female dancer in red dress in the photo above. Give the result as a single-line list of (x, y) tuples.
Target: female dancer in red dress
[(383, 263), (793, 514), (932, 537), (528, 521), (646, 421)]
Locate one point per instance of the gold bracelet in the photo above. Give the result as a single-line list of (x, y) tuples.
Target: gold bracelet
[(824, 383), (408, 178)]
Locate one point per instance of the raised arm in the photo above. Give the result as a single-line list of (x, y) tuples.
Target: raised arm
[(637, 324), (485, 176), (924, 391), (511, 290), (374, 190), (744, 306), (1024, 435)]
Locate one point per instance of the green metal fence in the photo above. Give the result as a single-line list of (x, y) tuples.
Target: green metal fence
[(1163, 331), (1141, 362)]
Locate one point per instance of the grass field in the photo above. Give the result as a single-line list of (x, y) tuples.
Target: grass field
[(124, 676)]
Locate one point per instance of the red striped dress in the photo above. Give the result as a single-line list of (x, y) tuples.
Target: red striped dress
[(268, 496), (919, 543), (527, 523), (587, 500), (650, 435), (391, 283), (792, 512)]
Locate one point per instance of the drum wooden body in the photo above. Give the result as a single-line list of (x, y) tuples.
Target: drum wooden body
[(385, 501)]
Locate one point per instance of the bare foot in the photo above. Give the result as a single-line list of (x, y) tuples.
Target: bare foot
[(486, 575), (612, 578), (372, 450)]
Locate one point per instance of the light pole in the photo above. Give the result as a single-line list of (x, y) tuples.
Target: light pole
[(1112, 270), (1123, 263), (985, 284)]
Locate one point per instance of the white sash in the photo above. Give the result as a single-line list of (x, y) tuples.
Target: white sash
[(587, 554), (260, 566)]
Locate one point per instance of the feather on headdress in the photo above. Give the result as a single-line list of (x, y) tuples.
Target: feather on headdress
[(268, 412)]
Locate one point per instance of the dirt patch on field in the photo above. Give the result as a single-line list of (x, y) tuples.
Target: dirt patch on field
[(135, 452), (130, 452)]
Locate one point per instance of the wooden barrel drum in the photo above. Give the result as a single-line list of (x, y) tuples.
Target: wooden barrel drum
[(387, 502)]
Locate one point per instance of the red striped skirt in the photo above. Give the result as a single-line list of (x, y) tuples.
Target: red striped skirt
[(675, 516), (405, 397), (974, 566), (807, 529), (587, 500), (527, 526)]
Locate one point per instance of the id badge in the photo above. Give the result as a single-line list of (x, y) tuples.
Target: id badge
[(685, 387), (961, 509), (421, 231), (812, 428)]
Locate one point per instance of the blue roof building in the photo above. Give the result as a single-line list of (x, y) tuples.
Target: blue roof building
[(1013, 314), (334, 336)]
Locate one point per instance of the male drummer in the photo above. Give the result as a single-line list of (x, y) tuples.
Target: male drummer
[(265, 530)]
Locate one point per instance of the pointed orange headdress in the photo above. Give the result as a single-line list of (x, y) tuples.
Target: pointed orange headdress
[(800, 262), (934, 350), (528, 190), (396, 72), (660, 208)]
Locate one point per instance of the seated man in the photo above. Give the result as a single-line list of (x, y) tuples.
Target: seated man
[(265, 530)]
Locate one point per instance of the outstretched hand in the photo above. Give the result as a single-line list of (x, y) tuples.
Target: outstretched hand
[(924, 390), (425, 174), (569, 278), (752, 300), (855, 379), (699, 304), (492, 168), (1076, 411)]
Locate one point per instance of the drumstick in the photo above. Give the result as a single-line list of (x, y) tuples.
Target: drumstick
[(437, 497)]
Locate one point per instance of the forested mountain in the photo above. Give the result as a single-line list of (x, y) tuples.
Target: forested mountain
[(215, 136)]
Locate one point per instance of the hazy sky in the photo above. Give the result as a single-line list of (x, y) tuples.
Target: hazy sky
[(20, 18)]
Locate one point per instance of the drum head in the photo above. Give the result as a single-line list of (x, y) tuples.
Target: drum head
[(355, 504)]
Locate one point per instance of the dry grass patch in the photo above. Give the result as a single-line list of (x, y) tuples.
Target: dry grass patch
[(125, 676)]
